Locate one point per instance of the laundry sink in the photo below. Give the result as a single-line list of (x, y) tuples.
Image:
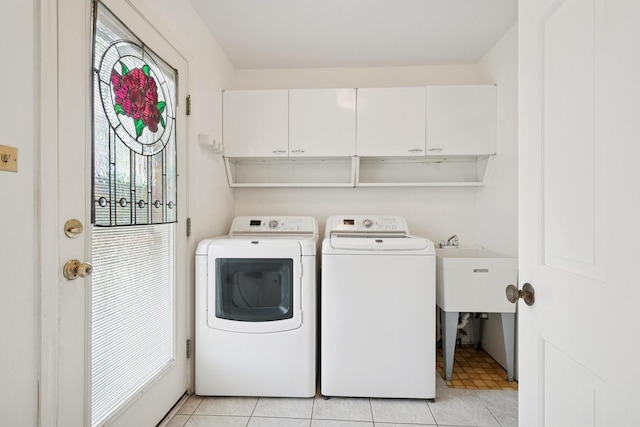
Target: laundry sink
[(473, 279)]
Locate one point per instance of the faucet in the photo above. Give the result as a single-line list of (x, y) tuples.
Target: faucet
[(451, 241)]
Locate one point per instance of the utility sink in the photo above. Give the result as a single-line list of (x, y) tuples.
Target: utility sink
[(473, 279)]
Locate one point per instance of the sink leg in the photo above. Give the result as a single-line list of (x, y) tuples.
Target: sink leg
[(449, 321), (509, 332), (476, 322)]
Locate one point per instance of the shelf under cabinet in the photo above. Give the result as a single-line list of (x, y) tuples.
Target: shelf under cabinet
[(291, 172), (427, 171), (419, 171)]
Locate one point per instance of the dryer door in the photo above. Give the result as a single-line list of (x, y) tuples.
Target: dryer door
[(254, 286)]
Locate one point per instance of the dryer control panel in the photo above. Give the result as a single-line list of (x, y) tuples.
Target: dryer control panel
[(244, 225)]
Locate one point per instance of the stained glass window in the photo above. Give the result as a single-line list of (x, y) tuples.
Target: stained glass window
[(134, 170)]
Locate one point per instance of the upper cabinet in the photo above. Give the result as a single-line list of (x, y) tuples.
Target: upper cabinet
[(289, 123), (255, 123), (461, 120), (407, 136), (391, 122), (322, 122)]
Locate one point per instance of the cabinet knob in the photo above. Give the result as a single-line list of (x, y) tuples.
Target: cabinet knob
[(297, 151), (434, 149), (416, 150), (279, 151)]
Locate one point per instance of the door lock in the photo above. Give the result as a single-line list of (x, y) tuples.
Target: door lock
[(74, 269), (73, 228), (526, 293)]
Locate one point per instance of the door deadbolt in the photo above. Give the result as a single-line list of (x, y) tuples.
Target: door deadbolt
[(73, 228), (74, 269), (526, 293)]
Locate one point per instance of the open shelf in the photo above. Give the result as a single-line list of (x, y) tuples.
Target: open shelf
[(424, 171), (291, 172), (419, 171)]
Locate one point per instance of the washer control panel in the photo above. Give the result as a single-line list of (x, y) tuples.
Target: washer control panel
[(365, 223), (275, 224)]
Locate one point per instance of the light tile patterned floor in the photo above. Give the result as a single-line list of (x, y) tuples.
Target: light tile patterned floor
[(452, 407), (476, 370)]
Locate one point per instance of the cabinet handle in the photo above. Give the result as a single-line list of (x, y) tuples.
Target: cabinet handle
[(416, 150), (297, 151), (278, 151), (434, 149)]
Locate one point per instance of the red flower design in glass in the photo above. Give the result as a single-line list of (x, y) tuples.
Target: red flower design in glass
[(136, 96)]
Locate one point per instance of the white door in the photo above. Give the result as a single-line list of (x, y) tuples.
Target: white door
[(149, 401), (579, 133)]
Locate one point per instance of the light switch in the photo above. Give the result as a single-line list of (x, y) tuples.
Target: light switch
[(8, 158)]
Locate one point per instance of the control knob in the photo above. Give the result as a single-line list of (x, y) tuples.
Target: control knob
[(273, 223), (367, 223)]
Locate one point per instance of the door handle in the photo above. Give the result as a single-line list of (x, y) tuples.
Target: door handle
[(526, 293), (74, 269)]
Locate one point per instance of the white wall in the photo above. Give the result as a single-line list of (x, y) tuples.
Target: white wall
[(210, 199), (211, 204), (356, 77), (497, 203), (436, 213), (485, 216), (19, 290)]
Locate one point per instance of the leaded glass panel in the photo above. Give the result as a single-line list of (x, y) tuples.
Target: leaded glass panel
[(134, 143)]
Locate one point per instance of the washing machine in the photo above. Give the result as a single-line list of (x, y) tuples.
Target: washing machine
[(256, 309), (377, 309)]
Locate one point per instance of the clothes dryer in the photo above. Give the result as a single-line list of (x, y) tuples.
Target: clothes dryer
[(377, 309), (256, 309)]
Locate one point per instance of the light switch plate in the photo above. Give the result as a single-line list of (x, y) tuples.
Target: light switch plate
[(8, 158)]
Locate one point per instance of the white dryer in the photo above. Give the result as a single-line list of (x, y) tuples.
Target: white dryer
[(377, 309), (256, 309)]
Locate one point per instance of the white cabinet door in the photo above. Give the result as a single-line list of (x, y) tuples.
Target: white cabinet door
[(255, 123), (391, 122), (322, 122), (461, 120)]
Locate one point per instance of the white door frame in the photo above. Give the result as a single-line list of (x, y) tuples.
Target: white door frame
[(49, 272)]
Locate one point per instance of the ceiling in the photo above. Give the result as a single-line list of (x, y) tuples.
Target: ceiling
[(259, 34)]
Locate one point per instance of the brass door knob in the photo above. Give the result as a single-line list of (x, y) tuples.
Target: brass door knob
[(74, 269), (526, 293)]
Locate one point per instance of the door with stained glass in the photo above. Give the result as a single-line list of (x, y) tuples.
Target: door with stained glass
[(128, 319)]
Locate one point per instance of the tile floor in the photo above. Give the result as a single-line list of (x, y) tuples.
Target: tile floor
[(476, 370), (452, 407)]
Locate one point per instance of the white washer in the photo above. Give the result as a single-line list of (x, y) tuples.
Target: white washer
[(377, 309), (256, 309)]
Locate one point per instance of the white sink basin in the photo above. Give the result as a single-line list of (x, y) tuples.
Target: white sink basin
[(474, 279)]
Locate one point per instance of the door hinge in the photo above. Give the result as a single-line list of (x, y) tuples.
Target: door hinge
[(188, 107), (188, 227), (189, 349)]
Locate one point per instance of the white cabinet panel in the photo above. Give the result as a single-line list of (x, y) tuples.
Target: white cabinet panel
[(256, 123), (461, 120), (391, 122), (322, 122)]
